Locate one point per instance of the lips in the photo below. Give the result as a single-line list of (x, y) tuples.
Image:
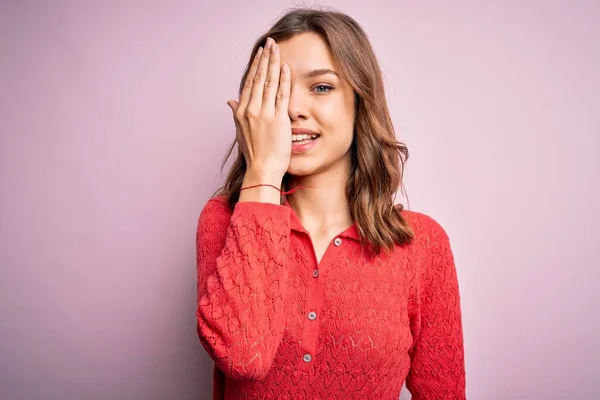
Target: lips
[(303, 140), (303, 131)]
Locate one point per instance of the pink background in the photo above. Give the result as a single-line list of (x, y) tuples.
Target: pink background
[(113, 126)]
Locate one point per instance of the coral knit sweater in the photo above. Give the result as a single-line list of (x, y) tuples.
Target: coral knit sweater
[(354, 326)]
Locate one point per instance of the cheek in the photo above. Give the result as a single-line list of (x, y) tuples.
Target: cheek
[(335, 114)]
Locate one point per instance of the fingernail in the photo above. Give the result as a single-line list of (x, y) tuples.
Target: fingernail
[(274, 48)]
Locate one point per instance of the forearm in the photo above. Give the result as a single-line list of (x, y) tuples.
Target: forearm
[(242, 288)]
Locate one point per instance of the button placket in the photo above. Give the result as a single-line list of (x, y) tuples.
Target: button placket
[(311, 329)]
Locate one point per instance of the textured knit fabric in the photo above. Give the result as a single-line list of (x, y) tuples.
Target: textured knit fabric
[(355, 326)]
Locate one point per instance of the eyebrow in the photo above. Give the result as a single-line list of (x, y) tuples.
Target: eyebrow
[(321, 71)]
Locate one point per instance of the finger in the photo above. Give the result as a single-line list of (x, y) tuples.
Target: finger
[(258, 85), (272, 80), (234, 106), (247, 90), (283, 93), (238, 129)]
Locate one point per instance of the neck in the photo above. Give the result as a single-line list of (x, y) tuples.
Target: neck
[(324, 205)]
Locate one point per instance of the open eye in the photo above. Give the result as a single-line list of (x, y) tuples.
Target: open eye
[(322, 89)]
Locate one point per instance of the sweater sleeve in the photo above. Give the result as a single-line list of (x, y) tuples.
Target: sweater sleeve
[(437, 356), (242, 269)]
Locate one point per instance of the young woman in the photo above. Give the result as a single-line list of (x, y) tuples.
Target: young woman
[(312, 284)]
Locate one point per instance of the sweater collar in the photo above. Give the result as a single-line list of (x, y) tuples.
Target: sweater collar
[(296, 224)]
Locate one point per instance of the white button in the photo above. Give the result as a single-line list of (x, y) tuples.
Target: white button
[(337, 241), (315, 273), (307, 358), (312, 315)]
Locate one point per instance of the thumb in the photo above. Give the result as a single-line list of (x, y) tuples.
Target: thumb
[(233, 105)]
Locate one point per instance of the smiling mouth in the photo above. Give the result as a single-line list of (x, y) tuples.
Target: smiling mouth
[(302, 139)]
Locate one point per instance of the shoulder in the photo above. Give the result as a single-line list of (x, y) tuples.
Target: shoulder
[(431, 250), (216, 204), (214, 210), (427, 230)]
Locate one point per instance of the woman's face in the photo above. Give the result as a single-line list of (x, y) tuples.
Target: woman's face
[(320, 101)]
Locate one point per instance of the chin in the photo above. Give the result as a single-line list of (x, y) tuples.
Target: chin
[(300, 172), (302, 167)]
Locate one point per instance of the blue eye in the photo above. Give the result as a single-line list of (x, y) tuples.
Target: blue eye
[(329, 89)]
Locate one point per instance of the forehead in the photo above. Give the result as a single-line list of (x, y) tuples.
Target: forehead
[(305, 52)]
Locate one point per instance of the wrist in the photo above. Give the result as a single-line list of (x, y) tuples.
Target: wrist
[(262, 194), (258, 177)]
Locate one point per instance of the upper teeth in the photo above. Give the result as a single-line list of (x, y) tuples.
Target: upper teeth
[(296, 138)]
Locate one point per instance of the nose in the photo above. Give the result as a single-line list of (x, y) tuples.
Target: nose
[(298, 106)]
